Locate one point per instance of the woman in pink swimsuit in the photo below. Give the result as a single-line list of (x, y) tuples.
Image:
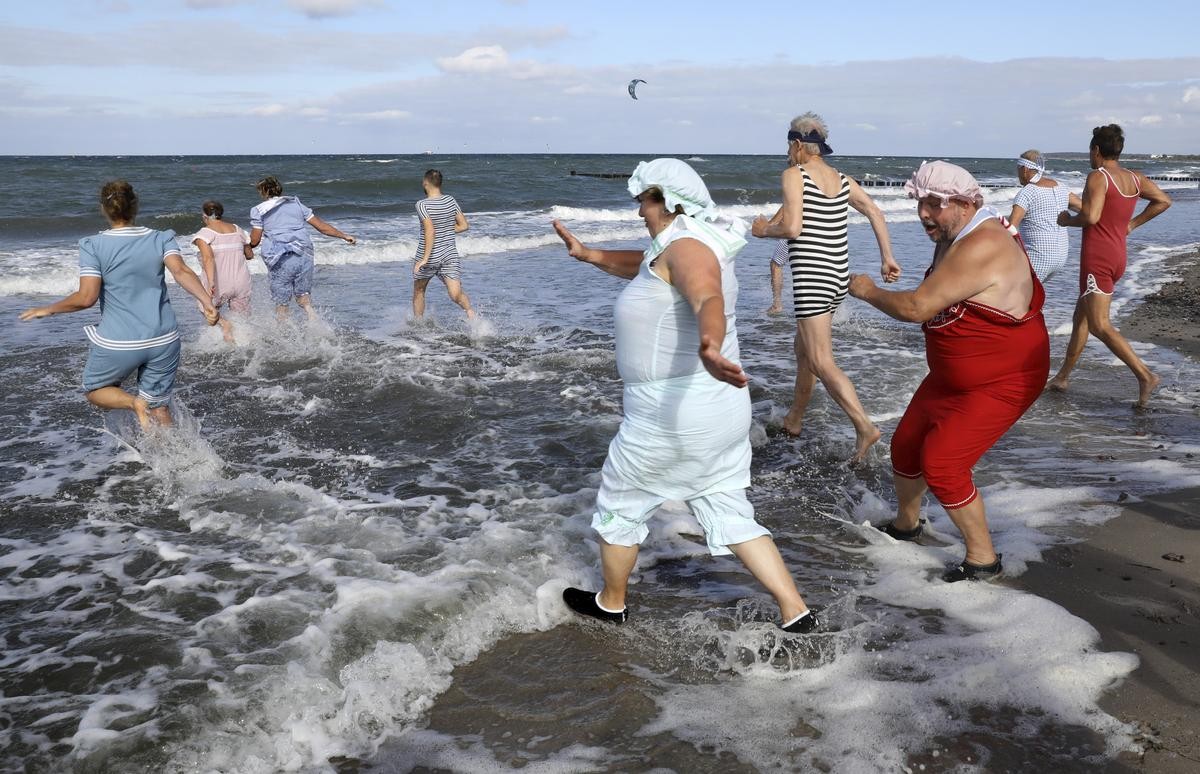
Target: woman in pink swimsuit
[(224, 249), (1109, 200)]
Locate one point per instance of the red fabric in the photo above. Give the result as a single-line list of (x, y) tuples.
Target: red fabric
[(986, 368), (1102, 253)]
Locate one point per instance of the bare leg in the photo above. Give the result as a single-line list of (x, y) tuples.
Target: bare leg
[(762, 559), (116, 398), (909, 494), (1079, 336), (1097, 306), (227, 329), (305, 302), (616, 564), (776, 289), (419, 297), (459, 296), (817, 335), (802, 393), (162, 416), (971, 521), (281, 312)]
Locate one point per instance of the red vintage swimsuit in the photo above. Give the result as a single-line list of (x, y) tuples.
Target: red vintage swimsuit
[(1102, 252), (986, 368)]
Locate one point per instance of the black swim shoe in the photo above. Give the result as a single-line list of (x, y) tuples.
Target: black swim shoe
[(805, 623), (584, 603), (891, 530), (974, 572)]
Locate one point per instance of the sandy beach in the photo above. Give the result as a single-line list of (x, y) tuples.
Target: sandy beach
[(1137, 578)]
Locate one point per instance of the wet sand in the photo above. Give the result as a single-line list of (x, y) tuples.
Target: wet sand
[(1137, 578)]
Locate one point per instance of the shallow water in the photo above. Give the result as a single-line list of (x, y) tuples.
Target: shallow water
[(349, 553)]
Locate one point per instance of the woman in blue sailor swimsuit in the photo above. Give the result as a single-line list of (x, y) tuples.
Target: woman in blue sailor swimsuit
[(123, 269)]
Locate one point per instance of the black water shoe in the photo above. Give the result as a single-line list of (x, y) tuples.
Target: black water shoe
[(805, 623), (974, 572), (891, 530), (584, 603)]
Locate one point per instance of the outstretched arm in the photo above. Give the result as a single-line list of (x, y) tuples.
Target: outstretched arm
[(1159, 201), (84, 298), (693, 270), (327, 230), (961, 274), (619, 263), (188, 280), (889, 270)]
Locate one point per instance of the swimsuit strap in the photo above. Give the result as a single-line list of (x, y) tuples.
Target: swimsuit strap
[(984, 213)]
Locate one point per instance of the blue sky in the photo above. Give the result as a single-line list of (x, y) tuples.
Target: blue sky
[(384, 76)]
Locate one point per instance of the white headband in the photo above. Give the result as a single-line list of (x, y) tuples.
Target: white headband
[(1038, 168)]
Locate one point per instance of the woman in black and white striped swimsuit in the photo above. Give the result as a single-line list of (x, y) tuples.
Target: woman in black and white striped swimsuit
[(820, 256), (814, 216)]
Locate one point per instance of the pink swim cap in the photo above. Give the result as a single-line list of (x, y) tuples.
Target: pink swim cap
[(946, 180)]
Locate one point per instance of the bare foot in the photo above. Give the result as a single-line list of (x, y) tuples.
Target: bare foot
[(142, 410), (864, 442), (470, 314), (1146, 389), (1057, 384), (775, 309), (793, 423)]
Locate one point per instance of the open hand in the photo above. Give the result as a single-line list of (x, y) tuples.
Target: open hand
[(575, 248), (720, 367), (33, 314)]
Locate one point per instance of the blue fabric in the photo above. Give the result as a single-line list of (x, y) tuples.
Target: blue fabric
[(291, 276), (155, 369), (284, 224), (134, 307)]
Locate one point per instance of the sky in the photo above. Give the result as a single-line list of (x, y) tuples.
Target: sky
[(97, 77)]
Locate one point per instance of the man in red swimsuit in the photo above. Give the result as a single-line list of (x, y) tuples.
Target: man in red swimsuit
[(988, 352), (1110, 196)]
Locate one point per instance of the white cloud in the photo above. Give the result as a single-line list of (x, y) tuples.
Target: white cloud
[(274, 109), (323, 9), (866, 127), (1191, 95), (1151, 120), (382, 115), (480, 59), (545, 119)]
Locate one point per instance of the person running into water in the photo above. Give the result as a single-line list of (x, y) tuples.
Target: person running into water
[(980, 306), (278, 223), (224, 249), (1035, 213), (123, 268), (437, 249), (814, 220), (1110, 196), (685, 432), (779, 259)]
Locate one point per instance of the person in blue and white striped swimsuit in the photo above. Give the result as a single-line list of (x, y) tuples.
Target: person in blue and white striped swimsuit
[(813, 218), (123, 269), (437, 250)]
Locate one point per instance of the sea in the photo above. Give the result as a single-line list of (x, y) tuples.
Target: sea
[(348, 554)]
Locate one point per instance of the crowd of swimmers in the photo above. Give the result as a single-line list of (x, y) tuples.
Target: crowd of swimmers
[(684, 434)]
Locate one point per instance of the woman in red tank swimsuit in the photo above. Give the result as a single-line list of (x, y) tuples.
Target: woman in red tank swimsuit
[(1109, 199)]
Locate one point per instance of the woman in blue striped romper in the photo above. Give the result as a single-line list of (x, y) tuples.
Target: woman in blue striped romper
[(814, 218)]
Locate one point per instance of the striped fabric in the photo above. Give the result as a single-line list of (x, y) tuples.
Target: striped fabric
[(1045, 240), (441, 211), (820, 256)]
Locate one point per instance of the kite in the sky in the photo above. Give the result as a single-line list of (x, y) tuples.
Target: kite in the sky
[(633, 87)]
